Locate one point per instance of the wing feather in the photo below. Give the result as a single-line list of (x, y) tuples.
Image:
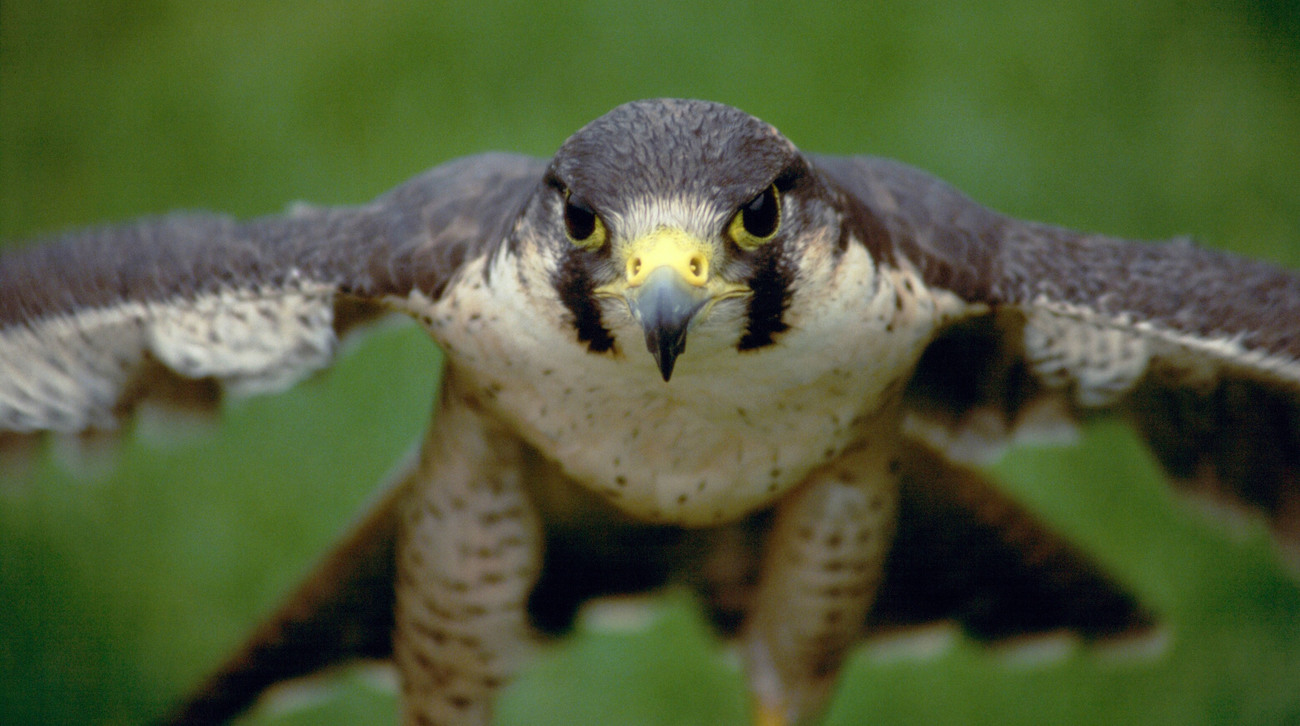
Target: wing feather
[(1199, 347), (90, 319)]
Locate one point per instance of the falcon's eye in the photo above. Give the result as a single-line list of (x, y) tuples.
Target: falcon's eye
[(581, 224), (758, 219)]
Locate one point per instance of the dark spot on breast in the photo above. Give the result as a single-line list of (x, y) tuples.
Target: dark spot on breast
[(457, 586)]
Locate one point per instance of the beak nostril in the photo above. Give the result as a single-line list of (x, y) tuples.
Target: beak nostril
[(699, 267), (686, 257)]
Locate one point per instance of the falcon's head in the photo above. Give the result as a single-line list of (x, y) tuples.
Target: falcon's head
[(670, 220)]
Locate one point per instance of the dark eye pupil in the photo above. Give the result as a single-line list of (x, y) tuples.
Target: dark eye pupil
[(760, 214), (579, 218)]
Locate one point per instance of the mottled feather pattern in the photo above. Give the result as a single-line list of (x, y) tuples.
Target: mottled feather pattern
[(1174, 286), (459, 211), (888, 306), (952, 242), (1177, 286), (250, 304), (964, 553), (1177, 336)]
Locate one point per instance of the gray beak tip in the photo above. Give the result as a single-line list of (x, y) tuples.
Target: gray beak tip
[(665, 346), (665, 305)]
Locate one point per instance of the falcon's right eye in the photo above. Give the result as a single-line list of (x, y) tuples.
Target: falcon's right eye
[(757, 220), (581, 224)]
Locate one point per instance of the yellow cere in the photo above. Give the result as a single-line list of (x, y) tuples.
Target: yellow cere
[(668, 247)]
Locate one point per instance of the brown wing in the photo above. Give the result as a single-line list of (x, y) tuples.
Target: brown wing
[(95, 320), (965, 552), (1199, 347)]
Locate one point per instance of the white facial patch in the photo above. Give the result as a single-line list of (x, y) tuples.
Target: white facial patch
[(644, 215)]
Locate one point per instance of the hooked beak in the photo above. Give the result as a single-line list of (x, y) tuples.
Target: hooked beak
[(667, 284), (665, 305)]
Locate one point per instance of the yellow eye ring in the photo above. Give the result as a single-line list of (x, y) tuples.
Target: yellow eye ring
[(582, 225), (757, 220)]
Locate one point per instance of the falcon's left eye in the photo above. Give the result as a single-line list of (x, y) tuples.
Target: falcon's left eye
[(757, 220), (581, 224)]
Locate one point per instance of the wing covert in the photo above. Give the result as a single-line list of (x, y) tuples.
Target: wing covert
[(1200, 348), (94, 320)]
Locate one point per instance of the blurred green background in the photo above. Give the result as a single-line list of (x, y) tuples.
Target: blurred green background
[(127, 571)]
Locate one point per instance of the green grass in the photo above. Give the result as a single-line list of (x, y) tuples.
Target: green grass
[(125, 576)]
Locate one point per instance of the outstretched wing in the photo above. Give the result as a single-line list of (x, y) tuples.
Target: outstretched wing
[(179, 306), (1199, 347)]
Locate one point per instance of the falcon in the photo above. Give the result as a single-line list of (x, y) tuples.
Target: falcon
[(680, 350)]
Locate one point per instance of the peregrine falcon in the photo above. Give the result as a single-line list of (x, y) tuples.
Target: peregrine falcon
[(680, 350)]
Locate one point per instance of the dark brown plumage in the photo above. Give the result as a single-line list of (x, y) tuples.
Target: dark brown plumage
[(958, 318)]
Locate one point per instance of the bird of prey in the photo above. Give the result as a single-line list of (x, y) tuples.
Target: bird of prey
[(682, 350)]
